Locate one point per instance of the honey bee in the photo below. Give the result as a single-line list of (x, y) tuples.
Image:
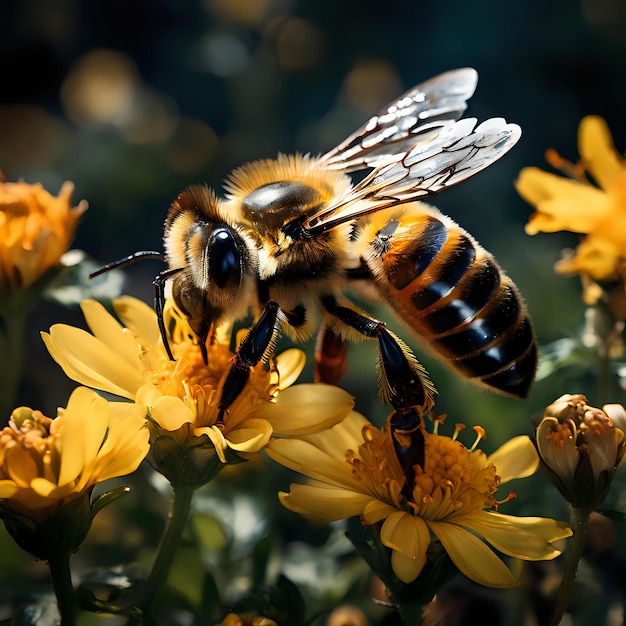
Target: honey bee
[(292, 235)]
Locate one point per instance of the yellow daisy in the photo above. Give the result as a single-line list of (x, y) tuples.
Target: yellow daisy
[(46, 463), (354, 471), (36, 229), (593, 206), (128, 359)]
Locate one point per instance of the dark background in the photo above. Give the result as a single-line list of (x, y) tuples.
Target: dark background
[(134, 100)]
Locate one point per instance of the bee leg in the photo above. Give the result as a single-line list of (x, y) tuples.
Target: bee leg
[(255, 346), (408, 442), (331, 357), (403, 383), (159, 303)]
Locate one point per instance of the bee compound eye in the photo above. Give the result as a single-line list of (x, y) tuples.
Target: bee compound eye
[(224, 257)]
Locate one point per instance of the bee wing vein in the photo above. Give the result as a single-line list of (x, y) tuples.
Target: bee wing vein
[(420, 111), (460, 150)]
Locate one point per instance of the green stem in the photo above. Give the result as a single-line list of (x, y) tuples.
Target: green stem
[(579, 519), (411, 613), (168, 546), (59, 566)]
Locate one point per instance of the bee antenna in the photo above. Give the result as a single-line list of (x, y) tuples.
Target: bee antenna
[(128, 260), (159, 305)]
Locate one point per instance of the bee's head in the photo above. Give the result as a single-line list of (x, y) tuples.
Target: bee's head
[(214, 256), (215, 253)]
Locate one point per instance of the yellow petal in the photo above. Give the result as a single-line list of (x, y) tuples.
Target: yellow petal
[(7, 488), (345, 435), (307, 408), (42, 487), (320, 501), (472, 556), (562, 203), (171, 413), (90, 362), (128, 450), (139, 318), (406, 533), (123, 410), (252, 436), (290, 364), (598, 151), (301, 456), (85, 422), (406, 568), (127, 441), (110, 332), (595, 256), (562, 458), (20, 466), (527, 538), (377, 510), (517, 458), (217, 439)]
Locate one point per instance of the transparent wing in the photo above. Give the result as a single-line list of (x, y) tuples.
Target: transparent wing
[(416, 115), (458, 151)]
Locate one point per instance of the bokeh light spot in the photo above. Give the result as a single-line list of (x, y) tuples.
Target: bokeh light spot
[(192, 147), (371, 85), (299, 44), (101, 88)]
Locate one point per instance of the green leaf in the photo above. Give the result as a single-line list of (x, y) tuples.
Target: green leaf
[(71, 283), (261, 556), (209, 531), (106, 498), (186, 575), (210, 595), (567, 352)]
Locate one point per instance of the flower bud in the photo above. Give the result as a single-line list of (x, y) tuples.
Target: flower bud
[(36, 229), (580, 448)]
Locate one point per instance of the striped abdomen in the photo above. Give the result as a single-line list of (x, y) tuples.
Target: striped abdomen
[(453, 293)]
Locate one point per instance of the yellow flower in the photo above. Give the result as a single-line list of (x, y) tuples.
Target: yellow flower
[(44, 462), (354, 471), (48, 467), (580, 448), (129, 360), (36, 229), (576, 204)]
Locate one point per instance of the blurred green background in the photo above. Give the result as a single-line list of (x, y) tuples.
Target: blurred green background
[(132, 100)]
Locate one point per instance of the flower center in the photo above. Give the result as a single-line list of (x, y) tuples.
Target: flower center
[(199, 384), (561, 433), (30, 440), (453, 480)]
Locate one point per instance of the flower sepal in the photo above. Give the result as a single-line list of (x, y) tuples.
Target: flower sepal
[(60, 533), (437, 570), (186, 462)]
